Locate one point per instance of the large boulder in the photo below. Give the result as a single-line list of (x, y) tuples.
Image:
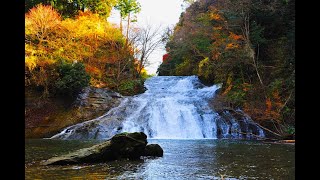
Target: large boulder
[(120, 146), (153, 150)]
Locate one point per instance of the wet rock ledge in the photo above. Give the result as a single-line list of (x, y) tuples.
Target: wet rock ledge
[(121, 146)]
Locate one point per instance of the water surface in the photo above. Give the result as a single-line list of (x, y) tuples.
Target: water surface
[(183, 159)]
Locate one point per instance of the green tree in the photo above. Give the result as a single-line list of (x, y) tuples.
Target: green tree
[(70, 8), (72, 78), (126, 8)]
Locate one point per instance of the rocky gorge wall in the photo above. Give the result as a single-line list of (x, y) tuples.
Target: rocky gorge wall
[(43, 118)]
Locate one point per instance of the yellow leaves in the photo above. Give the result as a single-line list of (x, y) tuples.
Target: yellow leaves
[(30, 62), (82, 37), (216, 28), (143, 71), (202, 64), (99, 28), (85, 24), (33, 61), (91, 26), (228, 84), (87, 38)]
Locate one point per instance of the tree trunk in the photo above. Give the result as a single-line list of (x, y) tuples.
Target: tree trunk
[(121, 24), (246, 33), (127, 34), (141, 64), (252, 55)]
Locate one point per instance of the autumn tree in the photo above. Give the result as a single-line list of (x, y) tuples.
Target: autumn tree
[(248, 46), (87, 39), (190, 41), (241, 17), (41, 23)]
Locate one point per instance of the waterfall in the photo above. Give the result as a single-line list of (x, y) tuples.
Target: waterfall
[(172, 107)]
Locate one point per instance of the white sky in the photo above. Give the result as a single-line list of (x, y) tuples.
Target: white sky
[(154, 12)]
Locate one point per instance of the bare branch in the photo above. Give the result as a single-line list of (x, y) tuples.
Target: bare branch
[(146, 40)]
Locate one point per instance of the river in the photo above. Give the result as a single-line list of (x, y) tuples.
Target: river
[(183, 159)]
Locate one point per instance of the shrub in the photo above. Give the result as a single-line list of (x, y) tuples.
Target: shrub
[(72, 78), (131, 87)]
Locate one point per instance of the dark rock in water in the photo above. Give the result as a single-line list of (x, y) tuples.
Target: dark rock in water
[(124, 145), (129, 145), (153, 150), (236, 124)]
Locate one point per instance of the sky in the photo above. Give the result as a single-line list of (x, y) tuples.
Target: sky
[(154, 12)]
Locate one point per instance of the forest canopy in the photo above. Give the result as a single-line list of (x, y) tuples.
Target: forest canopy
[(248, 46)]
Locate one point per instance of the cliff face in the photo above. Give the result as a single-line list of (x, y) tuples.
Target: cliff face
[(44, 118)]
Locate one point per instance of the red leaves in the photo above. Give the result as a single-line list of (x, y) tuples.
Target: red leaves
[(165, 57)]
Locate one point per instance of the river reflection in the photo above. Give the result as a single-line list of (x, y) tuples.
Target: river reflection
[(183, 159)]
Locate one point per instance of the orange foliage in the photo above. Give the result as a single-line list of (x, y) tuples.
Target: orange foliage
[(88, 38), (40, 24), (216, 55), (270, 112), (93, 70), (215, 16), (268, 105), (227, 89), (231, 46), (40, 19), (234, 41), (83, 14), (245, 107), (235, 37), (277, 99)]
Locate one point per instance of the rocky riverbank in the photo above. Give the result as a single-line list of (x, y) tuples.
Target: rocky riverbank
[(46, 117)]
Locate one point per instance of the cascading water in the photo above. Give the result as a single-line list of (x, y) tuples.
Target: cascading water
[(173, 107)]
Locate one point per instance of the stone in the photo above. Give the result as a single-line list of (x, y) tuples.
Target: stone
[(121, 146), (153, 150)]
